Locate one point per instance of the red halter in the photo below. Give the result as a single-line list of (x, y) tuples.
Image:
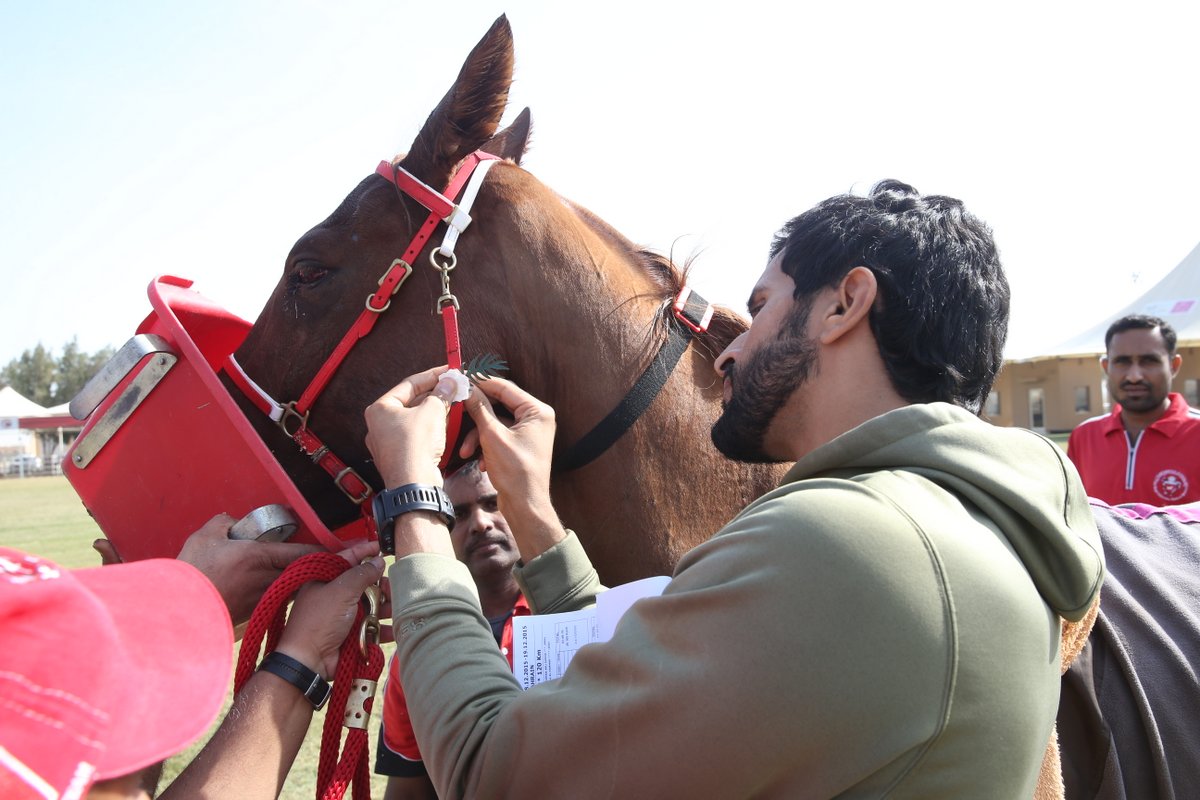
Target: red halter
[(292, 417)]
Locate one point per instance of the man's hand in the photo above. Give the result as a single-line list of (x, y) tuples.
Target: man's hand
[(323, 612), (406, 431), (240, 570), (108, 553), (516, 456)]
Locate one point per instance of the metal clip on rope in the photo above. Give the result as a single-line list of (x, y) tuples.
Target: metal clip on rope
[(451, 261), (369, 633)]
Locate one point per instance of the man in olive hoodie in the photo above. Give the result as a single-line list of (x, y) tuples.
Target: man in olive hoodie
[(885, 623)]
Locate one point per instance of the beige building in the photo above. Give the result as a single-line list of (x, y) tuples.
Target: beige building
[(1054, 392)]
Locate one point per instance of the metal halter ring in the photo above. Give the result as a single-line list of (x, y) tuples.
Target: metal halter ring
[(290, 413), (370, 307), (451, 260)]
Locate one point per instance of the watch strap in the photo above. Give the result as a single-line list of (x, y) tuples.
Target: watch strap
[(315, 688), (392, 503)]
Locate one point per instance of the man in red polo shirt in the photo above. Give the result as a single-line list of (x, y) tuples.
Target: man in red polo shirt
[(482, 540), (1148, 449)]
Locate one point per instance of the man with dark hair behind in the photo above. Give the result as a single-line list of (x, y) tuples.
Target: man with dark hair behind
[(1148, 449), (483, 541), (886, 622)]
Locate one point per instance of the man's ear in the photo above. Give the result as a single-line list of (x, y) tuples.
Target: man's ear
[(1104, 364), (852, 302), (1176, 363)]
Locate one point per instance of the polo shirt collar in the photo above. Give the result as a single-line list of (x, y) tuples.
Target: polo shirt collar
[(1168, 424)]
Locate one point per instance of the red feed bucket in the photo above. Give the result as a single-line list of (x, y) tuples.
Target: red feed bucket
[(165, 447)]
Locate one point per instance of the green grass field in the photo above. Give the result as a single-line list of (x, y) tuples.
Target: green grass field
[(44, 516)]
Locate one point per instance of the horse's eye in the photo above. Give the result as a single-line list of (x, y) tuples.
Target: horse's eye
[(307, 273)]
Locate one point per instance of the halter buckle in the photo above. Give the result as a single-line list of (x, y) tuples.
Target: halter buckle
[(388, 278), (357, 499), (690, 314)]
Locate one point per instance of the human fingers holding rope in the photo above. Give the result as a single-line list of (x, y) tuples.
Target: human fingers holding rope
[(241, 570), (323, 612)]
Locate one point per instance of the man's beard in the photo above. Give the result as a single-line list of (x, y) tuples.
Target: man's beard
[(1151, 400), (761, 386)]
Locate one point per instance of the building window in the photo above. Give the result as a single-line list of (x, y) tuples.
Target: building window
[(1037, 409), (992, 407), (1083, 398), (1191, 392)]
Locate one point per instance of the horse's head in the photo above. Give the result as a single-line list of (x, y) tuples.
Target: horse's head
[(337, 264), (572, 305)]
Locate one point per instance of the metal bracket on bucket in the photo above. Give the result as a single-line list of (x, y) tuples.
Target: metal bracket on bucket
[(107, 379), (269, 523)]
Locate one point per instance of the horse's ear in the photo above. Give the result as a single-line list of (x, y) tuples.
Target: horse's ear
[(513, 141), (469, 113)]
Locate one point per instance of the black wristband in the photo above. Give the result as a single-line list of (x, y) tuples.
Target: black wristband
[(315, 688), (391, 503)]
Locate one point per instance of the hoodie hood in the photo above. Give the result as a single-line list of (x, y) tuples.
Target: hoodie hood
[(1021, 481)]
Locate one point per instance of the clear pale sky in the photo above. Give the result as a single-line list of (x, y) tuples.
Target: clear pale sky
[(201, 139)]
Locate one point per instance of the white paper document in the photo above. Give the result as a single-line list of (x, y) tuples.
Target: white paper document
[(543, 644)]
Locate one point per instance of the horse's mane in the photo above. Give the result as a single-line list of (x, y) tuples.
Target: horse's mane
[(670, 280)]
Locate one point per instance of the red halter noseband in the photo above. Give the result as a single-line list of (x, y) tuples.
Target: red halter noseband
[(292, 417)]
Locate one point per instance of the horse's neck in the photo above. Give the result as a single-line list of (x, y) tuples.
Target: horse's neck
[(662, 488)]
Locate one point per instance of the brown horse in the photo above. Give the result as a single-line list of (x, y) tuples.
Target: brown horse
[(575, 308)]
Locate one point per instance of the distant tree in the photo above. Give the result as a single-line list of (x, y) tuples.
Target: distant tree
[(76, 368), (49, 381), (32, 374)]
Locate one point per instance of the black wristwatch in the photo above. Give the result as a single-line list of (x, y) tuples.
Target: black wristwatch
[(391, 503), (310, 684)]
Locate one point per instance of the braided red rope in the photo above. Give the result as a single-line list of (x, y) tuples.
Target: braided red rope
[(334, 775)]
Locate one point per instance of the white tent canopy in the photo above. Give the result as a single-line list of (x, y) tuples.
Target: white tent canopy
[(1175, 299), (15, 404)]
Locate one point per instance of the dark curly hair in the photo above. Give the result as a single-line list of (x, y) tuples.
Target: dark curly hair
[(941, 317)]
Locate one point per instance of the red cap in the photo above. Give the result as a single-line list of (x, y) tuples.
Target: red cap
[(104, 671)]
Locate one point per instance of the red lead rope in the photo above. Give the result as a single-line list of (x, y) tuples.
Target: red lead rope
[(454, 361), (360, 664)]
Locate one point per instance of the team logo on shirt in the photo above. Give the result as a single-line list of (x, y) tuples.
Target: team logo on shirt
[(1170, 485)]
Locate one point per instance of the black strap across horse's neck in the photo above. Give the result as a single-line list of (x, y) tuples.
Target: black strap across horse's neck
[(682, 324)]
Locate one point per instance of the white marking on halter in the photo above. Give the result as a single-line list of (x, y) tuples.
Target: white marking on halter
[(277, 409), (458, 220)]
